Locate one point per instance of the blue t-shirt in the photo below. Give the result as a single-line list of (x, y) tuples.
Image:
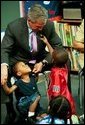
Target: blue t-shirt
[(47, 120), (26, 89)]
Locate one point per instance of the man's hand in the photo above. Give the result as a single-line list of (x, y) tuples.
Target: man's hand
[(38, 67), (4, 74)]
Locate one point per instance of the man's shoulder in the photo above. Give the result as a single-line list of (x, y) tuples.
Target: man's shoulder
[(18, 21), (17, 24), (49, 23), (48, 27)]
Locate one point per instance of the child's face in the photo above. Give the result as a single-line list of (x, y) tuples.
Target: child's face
[(23, 68)]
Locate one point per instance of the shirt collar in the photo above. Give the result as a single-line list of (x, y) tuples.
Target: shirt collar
[(30, 30)]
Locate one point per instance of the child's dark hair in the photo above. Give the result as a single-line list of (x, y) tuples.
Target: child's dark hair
[(14, 69), (60, 107), (60, 57)]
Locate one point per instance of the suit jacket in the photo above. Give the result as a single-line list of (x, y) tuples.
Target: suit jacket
[(15, 44)]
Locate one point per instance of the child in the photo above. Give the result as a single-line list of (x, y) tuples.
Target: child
[(59, 77), (28, 95), (58, 112), (59, 56)]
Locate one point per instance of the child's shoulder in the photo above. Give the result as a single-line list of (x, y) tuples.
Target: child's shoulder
[(58, 69), (48, 120), (45, 120), (58, 121)]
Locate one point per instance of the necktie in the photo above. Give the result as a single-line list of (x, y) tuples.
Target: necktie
[(33, 42), (33, 46)]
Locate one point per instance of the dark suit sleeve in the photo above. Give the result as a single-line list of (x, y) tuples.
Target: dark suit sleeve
[(53, 39), (7, 45)]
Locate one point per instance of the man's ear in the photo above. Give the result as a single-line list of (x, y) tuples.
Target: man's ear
[(28, 20), (19, 74)]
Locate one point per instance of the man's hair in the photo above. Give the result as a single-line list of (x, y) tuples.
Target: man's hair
[(37, 12), (60, 57), (60, 107)]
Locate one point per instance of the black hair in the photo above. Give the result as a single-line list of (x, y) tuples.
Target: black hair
[(14, 70), (60, 107), (60, 57)]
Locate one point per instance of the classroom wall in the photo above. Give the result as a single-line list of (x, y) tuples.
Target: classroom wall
[(9, 12)]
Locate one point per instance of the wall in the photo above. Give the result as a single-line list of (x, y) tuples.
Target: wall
[(9, 12)]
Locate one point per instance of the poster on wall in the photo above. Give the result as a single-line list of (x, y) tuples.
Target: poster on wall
[(53, 7)]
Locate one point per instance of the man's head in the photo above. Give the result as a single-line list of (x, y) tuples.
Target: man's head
[(60, 107), (37, 17), (60, 57), (20, 68)]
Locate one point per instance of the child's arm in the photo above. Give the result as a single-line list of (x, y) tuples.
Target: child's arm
[(9, 90), (44, 39)]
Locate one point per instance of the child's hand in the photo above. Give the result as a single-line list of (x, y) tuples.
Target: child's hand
[(44, 39)]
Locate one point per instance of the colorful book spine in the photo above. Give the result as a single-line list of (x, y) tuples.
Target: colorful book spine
[(67, 34)]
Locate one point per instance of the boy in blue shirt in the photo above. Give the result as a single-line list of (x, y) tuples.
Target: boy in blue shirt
[(28, 95)]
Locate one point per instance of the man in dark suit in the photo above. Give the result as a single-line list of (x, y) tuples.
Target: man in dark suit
[(16, 44)]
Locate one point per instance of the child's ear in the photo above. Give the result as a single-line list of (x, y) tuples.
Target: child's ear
[(19, 74)]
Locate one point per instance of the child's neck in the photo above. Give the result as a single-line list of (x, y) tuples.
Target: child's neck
[(25, 78)]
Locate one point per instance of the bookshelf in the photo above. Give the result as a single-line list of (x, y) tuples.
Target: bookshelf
[(66, 29), (71, 21)]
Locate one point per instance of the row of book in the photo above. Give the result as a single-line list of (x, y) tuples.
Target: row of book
[(67, 34), (73, 56)]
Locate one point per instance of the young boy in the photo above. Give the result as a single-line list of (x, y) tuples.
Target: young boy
[(59, 77), (59, 56), (28, 95)]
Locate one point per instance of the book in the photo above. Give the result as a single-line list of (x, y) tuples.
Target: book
[(67, 34)]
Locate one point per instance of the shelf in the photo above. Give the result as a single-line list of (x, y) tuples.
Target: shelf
[(75, 72), (66, 30), (68, 46), (70, 21)]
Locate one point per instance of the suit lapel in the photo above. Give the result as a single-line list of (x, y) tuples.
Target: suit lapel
[(25, 37)]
